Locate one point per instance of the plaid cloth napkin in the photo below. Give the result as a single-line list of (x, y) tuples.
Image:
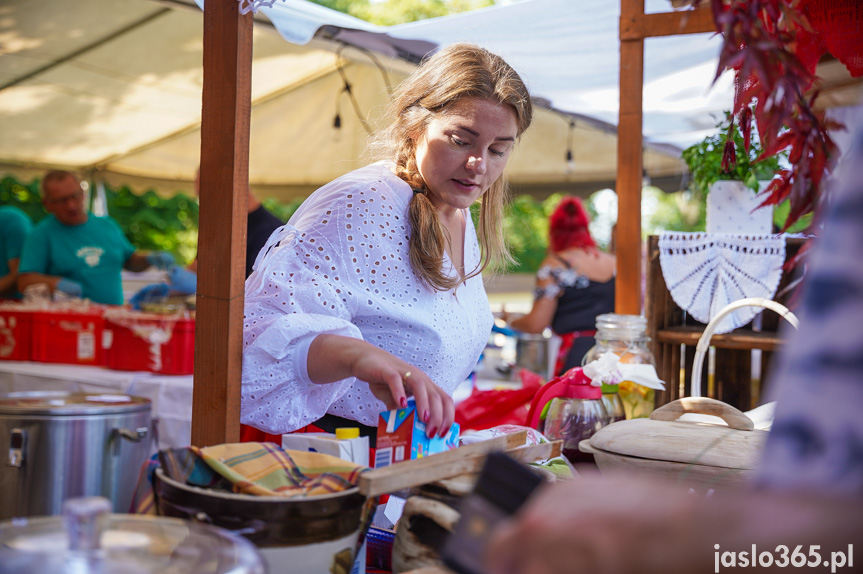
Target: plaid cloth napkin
[(257, 468), (264, 469)]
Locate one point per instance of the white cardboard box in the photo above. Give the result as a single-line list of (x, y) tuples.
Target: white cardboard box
[(353, 449)]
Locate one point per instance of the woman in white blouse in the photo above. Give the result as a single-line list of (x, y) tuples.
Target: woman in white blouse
[(373, 291)]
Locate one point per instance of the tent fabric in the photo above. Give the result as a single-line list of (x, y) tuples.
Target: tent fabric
[(112, 89), (567, 51)]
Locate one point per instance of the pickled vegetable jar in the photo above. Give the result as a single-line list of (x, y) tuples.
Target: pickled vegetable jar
[(626, 337)]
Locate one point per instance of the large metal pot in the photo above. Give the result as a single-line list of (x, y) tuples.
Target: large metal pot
[(61, 445), (531, 353)]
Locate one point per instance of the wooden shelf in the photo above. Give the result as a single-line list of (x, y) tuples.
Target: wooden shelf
[(738, 373), (686, 335)]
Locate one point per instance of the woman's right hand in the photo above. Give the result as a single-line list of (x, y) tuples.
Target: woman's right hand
[(334, 357)]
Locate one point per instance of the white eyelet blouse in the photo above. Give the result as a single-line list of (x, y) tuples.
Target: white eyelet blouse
[(341, 266)]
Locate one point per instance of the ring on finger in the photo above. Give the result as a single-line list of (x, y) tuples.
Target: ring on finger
[(405, 376)]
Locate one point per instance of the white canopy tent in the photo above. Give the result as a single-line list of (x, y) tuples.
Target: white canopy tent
[(112, 88), (567, 51)]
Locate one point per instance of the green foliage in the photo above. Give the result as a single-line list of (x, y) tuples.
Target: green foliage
[(780, 216), (391, 12), (704, 160), (24, 196), (340, 5), (526, 228), (680, 211), (152, 222), (283, 211)]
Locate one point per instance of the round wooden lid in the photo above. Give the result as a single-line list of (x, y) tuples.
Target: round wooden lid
[(662, 437)]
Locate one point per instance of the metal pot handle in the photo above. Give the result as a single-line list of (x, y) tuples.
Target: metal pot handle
[(17, 447), (136, 435)]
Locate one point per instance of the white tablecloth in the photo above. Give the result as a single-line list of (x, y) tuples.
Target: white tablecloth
[(171, 396)]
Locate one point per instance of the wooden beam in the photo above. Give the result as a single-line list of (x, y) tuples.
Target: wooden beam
[(226, 109), (639, 26), (629, 169)]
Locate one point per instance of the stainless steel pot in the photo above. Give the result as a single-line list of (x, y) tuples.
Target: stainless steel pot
[(531, 353), (59, 445)]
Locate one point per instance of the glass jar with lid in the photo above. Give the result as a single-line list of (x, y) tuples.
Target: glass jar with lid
[(626, 337)]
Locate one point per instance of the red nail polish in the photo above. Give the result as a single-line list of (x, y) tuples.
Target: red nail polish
[(403, 402), (425, 416), (431, 433)]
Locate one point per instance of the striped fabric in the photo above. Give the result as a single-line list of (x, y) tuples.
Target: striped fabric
[(257, 468), (264, 469), (143, 501)]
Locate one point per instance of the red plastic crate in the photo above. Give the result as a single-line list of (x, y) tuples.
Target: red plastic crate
[(137, 344), (16, 333), (67, 337)]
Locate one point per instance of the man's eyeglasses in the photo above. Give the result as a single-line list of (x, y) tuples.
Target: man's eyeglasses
[(76, 196)]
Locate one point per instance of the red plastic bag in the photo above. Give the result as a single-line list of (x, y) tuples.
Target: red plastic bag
[(487, 409)]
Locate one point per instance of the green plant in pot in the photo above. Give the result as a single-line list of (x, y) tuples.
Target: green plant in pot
[(705, 159), (727, 165)]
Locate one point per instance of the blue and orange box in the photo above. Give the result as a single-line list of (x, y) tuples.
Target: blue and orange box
[(402, 436)]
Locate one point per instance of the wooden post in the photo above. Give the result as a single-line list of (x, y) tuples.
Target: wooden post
[(226, 109), (629, 166), (635, 26)]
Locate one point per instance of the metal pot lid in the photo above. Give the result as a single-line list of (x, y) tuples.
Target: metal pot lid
[(736, 445), (88, 539), (62, 403)]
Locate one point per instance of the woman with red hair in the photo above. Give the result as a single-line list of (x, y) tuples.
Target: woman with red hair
[(574, 284)]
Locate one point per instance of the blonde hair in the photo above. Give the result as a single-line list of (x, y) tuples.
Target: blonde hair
[(457, 71)]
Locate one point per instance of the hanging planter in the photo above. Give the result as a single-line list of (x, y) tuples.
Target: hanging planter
[(726, 168), (732, 207)]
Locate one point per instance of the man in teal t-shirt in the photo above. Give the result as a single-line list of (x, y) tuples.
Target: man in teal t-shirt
[(15, 226), (76, 253)]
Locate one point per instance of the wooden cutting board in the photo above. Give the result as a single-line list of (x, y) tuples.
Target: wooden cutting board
[(461, 460), (686, 442)]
